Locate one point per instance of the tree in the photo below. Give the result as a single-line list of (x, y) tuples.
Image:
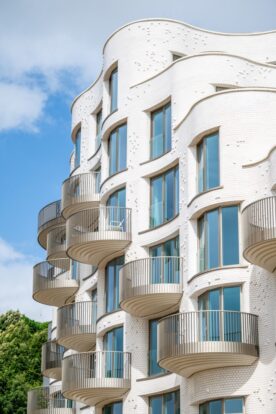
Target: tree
[(20, 354)]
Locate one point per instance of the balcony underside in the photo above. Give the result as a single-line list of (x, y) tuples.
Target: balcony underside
[(262, 254), (75, 207), (81, 342), (195, 357), (98, 390), (153, 301), (56, 295), (99, 247), (54, 372), (58, 254)]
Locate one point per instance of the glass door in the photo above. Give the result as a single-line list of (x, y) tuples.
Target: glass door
[(113, 344)]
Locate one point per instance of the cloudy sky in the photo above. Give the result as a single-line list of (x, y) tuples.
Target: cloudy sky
[(50, 50)]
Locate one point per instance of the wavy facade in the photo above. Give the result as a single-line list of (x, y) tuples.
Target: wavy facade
[(168, 224)]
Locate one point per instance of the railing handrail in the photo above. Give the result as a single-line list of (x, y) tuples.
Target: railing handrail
[(75, 177), (46, 265), (81, 354), (201, 311), (57, 210), (259, 201), (150, 258), (77, 304)]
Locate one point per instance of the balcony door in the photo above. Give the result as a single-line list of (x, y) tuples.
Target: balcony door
[(165, 263), (114, 345), (116, 211)]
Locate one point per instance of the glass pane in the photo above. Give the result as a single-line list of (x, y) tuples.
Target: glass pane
[(117, 408), (212, 239), (230, 235), (203, 409), (113, 153), (212, 161), (200, 161), (114, 90), (157, 140), (122, 147), (201, 236), (168, 128), (77, 148), (169, 403), (232, 320), (234, 406), (153, 365), (215, 407), (156, 405), (156, 201), (176, 190), (169, 196)]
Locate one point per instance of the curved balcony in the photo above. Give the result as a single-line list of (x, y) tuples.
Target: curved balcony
[(48, 218), (80, 192), (196, 341), (52, 282), (97, 233), (151, 287), (51, 357), (259, 228), (76, 325), (56, 243), (94, 377), (49, 400)]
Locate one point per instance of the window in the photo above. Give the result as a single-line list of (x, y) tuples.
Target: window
[(113, 90), (97, 180), (165, 268), (75, 269), (114, 345), (117, 212), (77, 148), (94, 298), (226, 406), (208, 162), (98, 129), (115, 408), (153, 367), (165, 404), (164, 197), (161, 131), (112, 284), (216, 325), (117, 149), (218, 232)]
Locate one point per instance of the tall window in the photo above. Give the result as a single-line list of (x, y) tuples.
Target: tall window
[(98, 129), (165, 268), (164, 197), (98, 179), (161, 131), (77, 148), (115, 408), (112, 283), (113, 90), (117, 214), (117, 149), (114, 343), (218, 232), (94, 297), (165, 404), (220, 318), (75, 269), (226, 406), (153, 367), (208, 162)]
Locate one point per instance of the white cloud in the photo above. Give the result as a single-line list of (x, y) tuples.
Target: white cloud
[(16, 284)]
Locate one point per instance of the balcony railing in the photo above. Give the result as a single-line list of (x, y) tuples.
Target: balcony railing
[(51, 357), (259, 233), (76, 325), (56, 243), (49, 400), (48, 218), (80, 192), (98, 232), (151, 286), (94, 377), (52, 282), (195, 341)]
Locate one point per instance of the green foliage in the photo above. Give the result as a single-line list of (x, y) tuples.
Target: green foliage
[(20, 351)]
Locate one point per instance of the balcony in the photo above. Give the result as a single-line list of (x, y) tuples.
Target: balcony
[(52, 282), (76, 326), (151, 287), (80, 192), (49, 400), (51, 357), (56, 243), (196, 341), (97, 233), (48, 218), (259, 231), (94, 377)]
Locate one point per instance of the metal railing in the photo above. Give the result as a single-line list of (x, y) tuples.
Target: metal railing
[(178, 334), (48, 213), (52, 274), (259, 221), (76, 319), (51, 356), (50, 399), (148, 273), (56, 241), (82, 226), (80, 188)]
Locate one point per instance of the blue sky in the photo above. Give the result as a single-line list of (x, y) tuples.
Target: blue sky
[(49, 52)]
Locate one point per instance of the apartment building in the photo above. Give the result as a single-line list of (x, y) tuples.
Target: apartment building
[(161, 252)]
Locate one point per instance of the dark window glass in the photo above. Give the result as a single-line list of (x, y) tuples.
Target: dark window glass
[(113, 90), (234, 406), (77, 148), (164, 197), (117, 212), (154, 368), (161, 131), (114, 343), (112, 283), (165, 268), (227, 406), (208, 162), (168, 403), (98, 129), (230, 235), (117, 149), (115, 408)]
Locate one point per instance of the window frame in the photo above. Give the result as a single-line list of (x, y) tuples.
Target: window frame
[(99, 117), (203, 143), (116, 131), (223, 403), (116, 289), (110, 88), (77, 159), (163, 395), (163, 110)]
